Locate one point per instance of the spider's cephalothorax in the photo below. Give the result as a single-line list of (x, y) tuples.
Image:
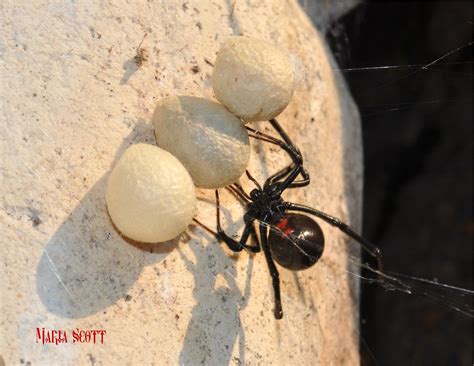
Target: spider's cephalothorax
[(263, 205), (294, 240)]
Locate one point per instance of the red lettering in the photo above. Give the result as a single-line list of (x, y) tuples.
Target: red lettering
[(62, 337), (40, 335), (75, 335), (102, 333), (57, 336), (47, 338), (88, 336), (54, 336)]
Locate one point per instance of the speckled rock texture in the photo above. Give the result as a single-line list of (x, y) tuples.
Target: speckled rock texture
[(79, 84), (211, 142)]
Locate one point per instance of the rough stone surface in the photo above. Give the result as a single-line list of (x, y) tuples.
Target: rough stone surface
[(79, 84)]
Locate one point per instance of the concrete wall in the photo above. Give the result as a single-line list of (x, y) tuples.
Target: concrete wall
[(73, 99)]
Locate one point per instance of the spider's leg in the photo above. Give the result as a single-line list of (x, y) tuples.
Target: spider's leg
[(239, 192), (284, 172), (290, 149), (239, 187), (370, 248), (277, 188), (283, 134), (236, 246), (293, 169), (278, 311), (251, 178), (303, 182), (297, 158)]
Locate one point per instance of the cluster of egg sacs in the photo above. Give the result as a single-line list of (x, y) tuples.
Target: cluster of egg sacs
[(151, 190)]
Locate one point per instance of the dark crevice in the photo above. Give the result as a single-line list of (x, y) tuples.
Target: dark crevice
[(408, 167), (417, 138)]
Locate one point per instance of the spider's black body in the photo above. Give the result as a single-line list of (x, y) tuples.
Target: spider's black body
[(297, 243), (293, 240)]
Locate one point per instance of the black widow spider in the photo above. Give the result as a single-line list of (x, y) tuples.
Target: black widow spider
[(295, 241)]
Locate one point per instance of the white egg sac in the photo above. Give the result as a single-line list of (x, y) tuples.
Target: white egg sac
[(150, 195), (253, 78), (211, 142)]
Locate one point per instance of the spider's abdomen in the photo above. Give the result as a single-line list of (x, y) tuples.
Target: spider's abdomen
[(296, 242)]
